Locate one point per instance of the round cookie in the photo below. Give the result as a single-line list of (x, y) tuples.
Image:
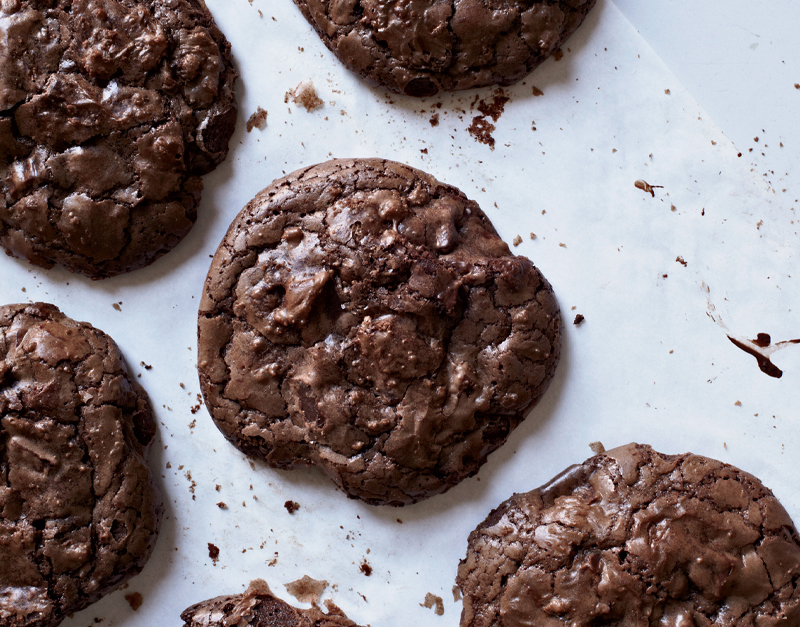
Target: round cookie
[(363, 317), (634, 537), (79, 512), (110, 110), (419, 47), (257, 607)]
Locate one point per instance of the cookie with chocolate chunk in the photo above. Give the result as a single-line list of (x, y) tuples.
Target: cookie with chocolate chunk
[(363, 317), (634, 537), (110, 111), (79, 512), (257, 607), (419, 47)]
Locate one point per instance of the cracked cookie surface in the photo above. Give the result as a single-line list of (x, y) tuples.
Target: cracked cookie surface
[(257, 607), (636, 538), (419, 47), (79, 512), (361, 316), (110, 111)]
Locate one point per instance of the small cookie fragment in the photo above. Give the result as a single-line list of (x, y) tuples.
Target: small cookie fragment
[(110, 112), (419, 48), (634, 537), (257, 607), (364, 317), (79, 512)]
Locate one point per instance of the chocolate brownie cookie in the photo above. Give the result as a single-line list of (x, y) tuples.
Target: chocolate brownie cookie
[(362, 316), (258, 608), (110, 110), (79, 512), (633, 537), (418, 47)]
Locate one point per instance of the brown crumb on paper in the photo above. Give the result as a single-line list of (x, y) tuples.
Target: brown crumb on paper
[(305, 95), (434, 119), (135, 599), (146, 366), (481, 129), (558, 54), (537, 91), (222, 505), (213, 551), (597, 448), (431, 600), (517, 241), (644, 185), (366, 568), (257, 120), (306, 589), (578, 320), (456, 594), (738, 403), (291, 506), (117, 307), (681, 261), (533, 235), (666, 91), (797, 85)]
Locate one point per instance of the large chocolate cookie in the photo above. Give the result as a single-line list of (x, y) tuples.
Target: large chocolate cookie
[(258, 608), (79, 512), (418, 47), (634, 537), (110, 110), (361, 316)]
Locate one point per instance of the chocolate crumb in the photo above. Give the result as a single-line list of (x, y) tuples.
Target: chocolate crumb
[(597, 448), (146, 366), (117, 307), (305, 95), (558, 55), (797, 85), (681, 261), (257, 120), (738, 403), (517, 241), (213, 551), (481, 129), (578, 319), (291, 506), (644, 185), (537, 91), (222, 505), (456, 594), (666, 91), (366, 568), (533, 235), (434, 119), (306, 589), (135, 599), (218, 487), (431, 600)]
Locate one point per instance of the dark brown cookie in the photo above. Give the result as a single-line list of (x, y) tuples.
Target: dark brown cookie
[(257, 607), (110, 110), (419, 47), (79, 512), (361, 316), (633, 537)]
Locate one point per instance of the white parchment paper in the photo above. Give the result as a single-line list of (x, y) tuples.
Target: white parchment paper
[(648, 364)]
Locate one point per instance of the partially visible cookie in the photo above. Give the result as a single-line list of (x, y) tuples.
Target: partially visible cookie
[(110, 110), (258, 608), (634, 537), (361, 316), (419, 47), (79, 512)]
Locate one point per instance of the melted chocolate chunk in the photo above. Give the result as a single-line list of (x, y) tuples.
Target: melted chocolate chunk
[(418, 47), (110, 112), (634, 537), (363, 317), (257, 607), (79, 512)]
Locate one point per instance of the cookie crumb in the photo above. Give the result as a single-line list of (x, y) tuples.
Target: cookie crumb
[(517, 241), (434, 119), (291, 506), (366, 568), (738, 403), (533, 235), (597, 448), (431, 600), (306, 589), (257, 120), (222, 505), (558, 55), (481, 129), (146, 366), (578, 320), (644, 185), (135, 599), (681, 261), (117, 307), (666, 91), (304, 95), (673, 208), (537, 91), (213, 551), (456, 594)]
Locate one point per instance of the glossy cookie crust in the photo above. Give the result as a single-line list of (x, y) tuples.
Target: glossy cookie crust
[(110, 111), (419, 47), (257, 607), (79, 512), (361, 316), (633, 537)]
